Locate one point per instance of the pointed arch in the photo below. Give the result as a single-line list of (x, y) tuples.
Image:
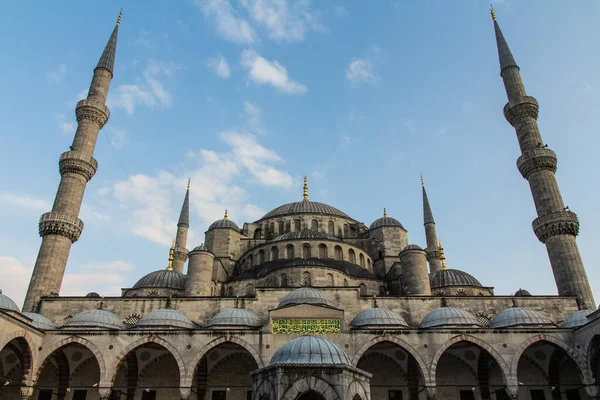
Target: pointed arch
[(314, 384), (25, 342), (356, 390)]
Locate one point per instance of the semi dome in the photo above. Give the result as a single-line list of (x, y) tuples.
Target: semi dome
[(224, 223), (305, 295), (305, 207), (449, 316), (95, 319), (6, 303), (39, 321), (310, 350), (162, 279), (304, 235), (522, 293), (378, 316), (385, 221), (576, 319), (165, 317), (235, 317), (519, 316), (452, 277)]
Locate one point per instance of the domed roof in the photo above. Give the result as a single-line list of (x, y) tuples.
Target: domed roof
[(165, 317), (224, 223), (93, 294), (235, 317), (6, 303), (305, 207), (448, 316), (385, 221), (305, 295), (162, 278), (519, 316), (310, 350), (452, 277), (304, 235), (378, 316), (576, 319), (39, 321), (95, 319), (202, 247), (412, 247), (522, 293)]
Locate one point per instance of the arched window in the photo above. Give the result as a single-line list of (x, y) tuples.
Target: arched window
[(369, 263), (345, 282), (322, 251), (346, 230), (362, 289), (331, 228), (267, 231), (250, 260), (381, 291), (281, 227), (272, 229), (362, 260), (329, 281), (284, 282), (261, 256), (258, 234), (306, 280), (250, 290), (314, 225), (352, 256), (288, 226), (306, 250), (289, 250), (338, 253), (274, 253), (230, 291), (297, 225)]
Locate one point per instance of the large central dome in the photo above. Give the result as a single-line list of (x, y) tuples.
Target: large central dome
[(305, 207)]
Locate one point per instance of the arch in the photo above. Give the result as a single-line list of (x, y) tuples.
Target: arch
[(24, 341), (189, 375), (306, 250), (338, 253), (404, 345), (362, 290), (289, 251), (331, 228), (250, 260), (261, 256), (352, 256), (362, 260), (306, 279), (323, 251), (314, 225), (230, 291), (369, 263), (578, 359), (593, 358), (504, 368), (297, 225), (283, 280), (281, 226), (346, 230), (274, 253), (313, 384), (258, 233), (265, 391), (329, 281), (250, 290)]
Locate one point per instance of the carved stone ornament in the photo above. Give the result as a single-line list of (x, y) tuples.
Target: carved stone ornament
[(57, 223), (526, 107), (557, 223), (180, 253), (92, 110), (77, 163), (535, 160)]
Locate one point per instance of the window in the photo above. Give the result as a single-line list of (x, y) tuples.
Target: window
[(297, 225), (281, 227), (369, 263), (274, 253), (306, 251), (116, 395), (338, 253), (289, 249), (331, 228), (346, 230), (395, 395), (329, 281), (45, 395), (573, 394), (352, 256), (363, 289), (284, 282), (149, 395), (322, 251), (345, 282), (467, 395), (261, 256), (79, 394), (230, 291), (536, 394), (314, 225), (362, 260), (272, 228), (131, 320), (219, 395), (306, 280), (250, 290), (250, 260), (381, 291), (258, 234), (249, 395)]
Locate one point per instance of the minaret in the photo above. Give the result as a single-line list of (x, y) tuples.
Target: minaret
[(181, 253), (433, 253), (61, 227), (555, 226)]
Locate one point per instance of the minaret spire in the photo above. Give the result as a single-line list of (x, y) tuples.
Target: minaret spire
[(433, 253), (555, 225), (180, 252), (61, 227)]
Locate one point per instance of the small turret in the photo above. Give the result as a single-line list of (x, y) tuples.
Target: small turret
[(415, 279), (199, 273)]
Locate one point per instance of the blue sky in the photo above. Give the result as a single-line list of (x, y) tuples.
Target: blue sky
[(248, 96)]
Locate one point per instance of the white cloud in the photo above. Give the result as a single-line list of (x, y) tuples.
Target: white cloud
[(219, 65), (68, 128), (253, 116), (118, 137), (361, 71), (150, 92), (26, 201), (57, 74), (262, 71), (229, 25), (282, 19), (252, 212)]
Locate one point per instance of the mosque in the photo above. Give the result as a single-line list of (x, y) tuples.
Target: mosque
[(306, 303)]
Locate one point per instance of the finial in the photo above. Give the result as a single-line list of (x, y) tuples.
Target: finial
[(101, 306), (384, 213), (171, 253), (492, 12), (225, 216), (374, 301), (442, 255), (120, 16), (305, 190), (514, 302), (189, 180), (422, 181)]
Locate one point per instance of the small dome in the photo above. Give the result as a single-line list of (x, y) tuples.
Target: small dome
[(202, 247), (95, 319), (305, 207), (519, 316), (378, 316), (93, 294), (304, 235), (39, 321), (385, 221), (224, 223), (412, 247), (576, 319), (305, 295), (162, 279), (165, 317), (235, 317), (522, 293), (310, 350), (452, 277), (449, 316), (6, 303)]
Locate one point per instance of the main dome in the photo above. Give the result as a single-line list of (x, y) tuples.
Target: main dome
[(310, 350), (162, 278), (305, 207)]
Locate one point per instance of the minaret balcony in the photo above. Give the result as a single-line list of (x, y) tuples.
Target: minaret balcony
[(78, 163), (556, 223), (534, 160), (527, 106), (58, 223), (93, 110)]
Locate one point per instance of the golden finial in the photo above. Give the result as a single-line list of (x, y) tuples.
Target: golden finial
[(171, 253), (422, 181), (120, 16), (189, 181), (225, 216), (305, 190), (384, 213), (492, 12), (442, 256)]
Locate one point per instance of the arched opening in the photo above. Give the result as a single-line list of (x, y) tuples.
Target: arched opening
[(306, 279), (261, 256), (362, 260), (250, 292), (369, 263), (547, 371), (15, 363), (356, 397), (322, 251), (258, 234), (224, 373), (297, 225), (331, 228), (306, 250), (289, 251), (150, 371), (274, 253), (346, 230), (338, 253), (362, 289), (281, 227), (352, 256), (467, 371), (230, 291), (594, 358), (314, 225), (311, 395), (284, 280), (396, 373), (329, 280), (250, 260), (73, 368)]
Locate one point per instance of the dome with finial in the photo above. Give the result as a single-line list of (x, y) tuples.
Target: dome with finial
[(93, 295), (224, 223), (378, 317), (6, 303), (310, 350), (522, 293), (452, 277), (305, 295), (202, 247), (518, 317), (39, 321), (449, 317), (165, 317), (385, 221), (163, 278), (97, 318), (235, 317)]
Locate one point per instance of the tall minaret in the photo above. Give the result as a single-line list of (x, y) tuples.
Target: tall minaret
[(61, 227), (555, 226), (432, 250), (180, 254)]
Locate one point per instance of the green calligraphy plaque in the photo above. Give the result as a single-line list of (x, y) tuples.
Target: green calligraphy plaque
[(305, 326)]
